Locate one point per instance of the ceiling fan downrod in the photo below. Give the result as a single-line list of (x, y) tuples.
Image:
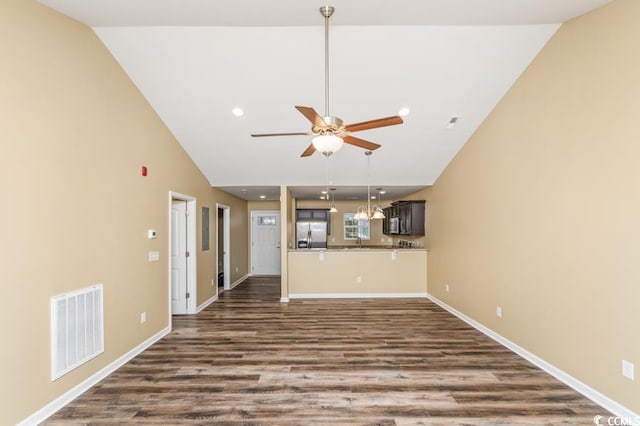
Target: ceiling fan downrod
[(326, 11)]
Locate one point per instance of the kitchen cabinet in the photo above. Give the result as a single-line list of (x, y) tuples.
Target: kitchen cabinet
[(318, 215), (409, 216), (314, 215), (386, 222)]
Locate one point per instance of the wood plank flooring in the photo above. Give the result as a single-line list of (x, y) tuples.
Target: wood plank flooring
[(248, 359)]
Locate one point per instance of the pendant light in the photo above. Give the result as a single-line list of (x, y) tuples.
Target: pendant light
[(333, 208), (364, 212), (377, 209)]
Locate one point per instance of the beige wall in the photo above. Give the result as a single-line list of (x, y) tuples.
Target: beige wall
[(239, 234), (75, 209), (539, 212), (287, 212)]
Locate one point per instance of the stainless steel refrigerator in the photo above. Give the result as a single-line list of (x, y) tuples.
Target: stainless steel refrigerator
[(311, 234)]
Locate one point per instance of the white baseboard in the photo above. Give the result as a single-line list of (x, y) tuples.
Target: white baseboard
[(284, 300), (207, 303), (58, 403), (595, 396), (238, 281), (354, 295)]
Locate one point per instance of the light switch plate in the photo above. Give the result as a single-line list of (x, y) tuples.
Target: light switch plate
[(154, 256), (627, 369)]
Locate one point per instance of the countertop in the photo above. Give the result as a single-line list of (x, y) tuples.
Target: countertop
[(360, 249)]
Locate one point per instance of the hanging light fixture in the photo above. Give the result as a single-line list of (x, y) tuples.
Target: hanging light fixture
[(377, 209), (368, 212), (333, 208), (365, 212)]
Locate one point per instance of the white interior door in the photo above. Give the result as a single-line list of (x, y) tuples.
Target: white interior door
[(265, 243), (179, 270)]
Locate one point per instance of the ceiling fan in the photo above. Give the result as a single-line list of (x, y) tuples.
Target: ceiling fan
[(330, 132)]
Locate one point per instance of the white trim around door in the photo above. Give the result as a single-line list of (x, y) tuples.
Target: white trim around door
[(226, 244), (192, 269)]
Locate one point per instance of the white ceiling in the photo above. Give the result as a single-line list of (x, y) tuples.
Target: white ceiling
[(194, 60)]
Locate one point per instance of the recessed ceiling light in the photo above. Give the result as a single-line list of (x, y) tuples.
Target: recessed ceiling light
[(262, 197), (404, 111), (383, 192), (453, 121), (323, 192), (238, 112)]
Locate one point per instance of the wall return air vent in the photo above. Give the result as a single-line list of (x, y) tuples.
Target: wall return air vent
[(77, 329)]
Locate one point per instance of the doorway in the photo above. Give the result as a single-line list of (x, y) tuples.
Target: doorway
[(223, 252), (265, 243), (182, 254)]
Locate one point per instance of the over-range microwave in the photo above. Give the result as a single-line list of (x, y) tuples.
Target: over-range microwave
[(394, 225)]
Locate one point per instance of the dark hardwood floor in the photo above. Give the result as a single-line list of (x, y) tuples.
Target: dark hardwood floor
[(248, 359)]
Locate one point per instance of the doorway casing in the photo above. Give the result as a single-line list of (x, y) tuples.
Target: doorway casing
[(192, 269), (226, 245)]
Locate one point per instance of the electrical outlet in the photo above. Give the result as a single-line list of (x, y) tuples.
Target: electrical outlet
[(143, 318), (359, 279), (236, 269), (627, 369), (212, 285), (499, 311), (446, 288)]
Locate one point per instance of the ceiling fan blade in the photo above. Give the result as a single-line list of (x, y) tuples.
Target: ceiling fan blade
[(372, 124), (361, 143), (310, 150), (312, 116), (259, 135)]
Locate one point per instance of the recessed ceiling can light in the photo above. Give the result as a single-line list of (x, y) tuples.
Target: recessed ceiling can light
[(238, 112), (404, 111), (453, 121), (262, 197)]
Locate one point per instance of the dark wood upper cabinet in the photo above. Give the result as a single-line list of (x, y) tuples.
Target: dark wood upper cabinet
[(404, 218)]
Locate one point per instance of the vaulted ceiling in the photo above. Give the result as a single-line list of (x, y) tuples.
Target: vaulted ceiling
[(196, 60)]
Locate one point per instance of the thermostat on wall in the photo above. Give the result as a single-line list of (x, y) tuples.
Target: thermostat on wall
[(151, 234)]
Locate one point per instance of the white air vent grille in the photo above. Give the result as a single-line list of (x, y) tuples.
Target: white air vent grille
[(77, 329)]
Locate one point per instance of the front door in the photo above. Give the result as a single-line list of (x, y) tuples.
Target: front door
[(265, 243), (179, 257)]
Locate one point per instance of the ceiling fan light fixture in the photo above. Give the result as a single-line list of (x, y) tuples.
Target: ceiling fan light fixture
[(327, 144)]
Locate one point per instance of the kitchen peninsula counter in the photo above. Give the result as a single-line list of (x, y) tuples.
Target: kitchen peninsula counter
[(374, 271), (363, 248)]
